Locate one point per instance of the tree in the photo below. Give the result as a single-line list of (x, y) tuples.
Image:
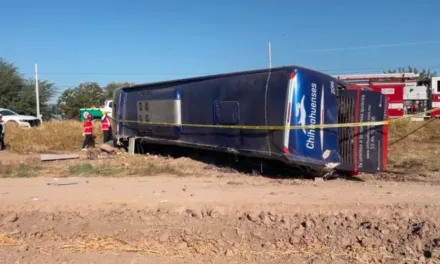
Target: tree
[(111, 87), (18, 94), (54, 111), (11, 84), (88, 94), (424, 73), (27, 103)]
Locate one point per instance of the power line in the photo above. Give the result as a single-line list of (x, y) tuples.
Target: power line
[(191, 75), (293, 51), (339, 72), (372, 46), (328, 71)]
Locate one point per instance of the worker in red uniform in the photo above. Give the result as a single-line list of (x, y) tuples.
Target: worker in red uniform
[(106, 127), (414, 107), (87, 132)]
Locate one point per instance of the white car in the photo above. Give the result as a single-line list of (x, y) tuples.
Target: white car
[(10, 117)]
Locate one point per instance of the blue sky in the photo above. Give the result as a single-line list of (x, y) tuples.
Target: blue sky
[(144, 41)]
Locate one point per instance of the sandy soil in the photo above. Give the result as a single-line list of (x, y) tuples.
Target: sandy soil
[(228, 219), (219, 218)]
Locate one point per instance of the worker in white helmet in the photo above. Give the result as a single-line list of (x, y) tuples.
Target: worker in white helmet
[(106, 127)]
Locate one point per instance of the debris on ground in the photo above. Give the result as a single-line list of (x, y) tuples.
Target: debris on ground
[(105, 151), (97, 154), (52, 157), (109, 149), (62, 183)]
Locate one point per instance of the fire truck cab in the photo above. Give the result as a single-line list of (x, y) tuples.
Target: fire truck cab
[(431, 87), (392, 85)]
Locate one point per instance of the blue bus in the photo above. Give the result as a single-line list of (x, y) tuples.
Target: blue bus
[(260, 114)]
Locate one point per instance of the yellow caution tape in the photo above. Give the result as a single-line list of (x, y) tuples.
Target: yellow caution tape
[(259, 127), (250, 127)]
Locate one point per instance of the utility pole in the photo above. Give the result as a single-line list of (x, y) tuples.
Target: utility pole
[(270, 56), (37, 91)]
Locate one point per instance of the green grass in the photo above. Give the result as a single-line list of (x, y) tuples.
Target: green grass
[(154, 169), (113, 169), (19, 171), (90, 169), (87, 169)]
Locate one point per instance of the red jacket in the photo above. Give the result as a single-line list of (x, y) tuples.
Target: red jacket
[(105, 124), (88, 127)]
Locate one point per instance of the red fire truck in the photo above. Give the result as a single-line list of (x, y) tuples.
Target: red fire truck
[(431, 87), (393, 85)]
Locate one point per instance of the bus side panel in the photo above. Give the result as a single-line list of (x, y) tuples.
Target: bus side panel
[(244, 100), (240, 100)]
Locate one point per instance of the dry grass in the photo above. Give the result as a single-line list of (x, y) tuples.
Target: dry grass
[(63, 136), (67, 135), (105, 244), (7, 240), (49, 137), (402, 127), (204, 246), (414, 146), (196, 246), (417, 151)]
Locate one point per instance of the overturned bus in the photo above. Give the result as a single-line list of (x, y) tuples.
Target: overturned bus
[(265, 114)]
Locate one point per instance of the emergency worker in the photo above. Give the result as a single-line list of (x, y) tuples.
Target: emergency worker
[(416, 107), (106, 127), (413, 107), (87, 132)]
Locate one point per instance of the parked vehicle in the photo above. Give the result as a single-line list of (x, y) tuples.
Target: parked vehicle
[(188, 112), (12, 118), (96, 113), (403, 91), (393, 85)]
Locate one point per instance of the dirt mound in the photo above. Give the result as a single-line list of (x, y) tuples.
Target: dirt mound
[(255, 237)]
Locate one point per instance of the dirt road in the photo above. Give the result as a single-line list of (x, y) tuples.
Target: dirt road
[(229, 218)]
